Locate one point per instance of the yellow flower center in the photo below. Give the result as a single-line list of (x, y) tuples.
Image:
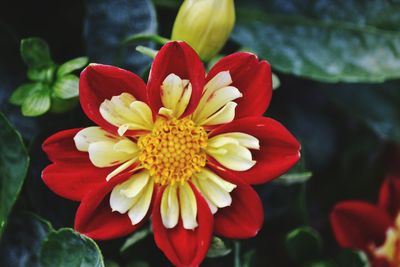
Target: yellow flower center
[(390, 249), (173, 151)]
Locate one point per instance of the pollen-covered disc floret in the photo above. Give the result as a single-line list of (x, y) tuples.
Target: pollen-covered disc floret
[(173, 151)]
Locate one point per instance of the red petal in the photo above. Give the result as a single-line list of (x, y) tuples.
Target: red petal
[(180, 59), (389, 197), (95, 218), (245, 217), (73, 181), (279, 150), (60, 147), (184, 248), (100, 82), (359, 224), (252, 77)]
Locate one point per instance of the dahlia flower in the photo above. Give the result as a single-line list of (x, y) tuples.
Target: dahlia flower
[(182, 150)]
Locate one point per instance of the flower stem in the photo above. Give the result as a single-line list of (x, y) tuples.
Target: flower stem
[(236, 247)]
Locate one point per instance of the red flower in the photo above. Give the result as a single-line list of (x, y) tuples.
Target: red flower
[(184, 150), (373, 229)]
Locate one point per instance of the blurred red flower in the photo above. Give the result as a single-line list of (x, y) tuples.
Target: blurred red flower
[(375, 229)]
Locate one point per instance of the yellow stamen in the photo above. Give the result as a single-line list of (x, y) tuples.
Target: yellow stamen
[(173, 151)]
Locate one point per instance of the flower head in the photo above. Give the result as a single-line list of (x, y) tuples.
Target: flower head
[(184, 150), (205, 25), (373, 229)]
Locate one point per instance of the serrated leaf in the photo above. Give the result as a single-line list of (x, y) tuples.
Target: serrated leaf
[(59, 105), (353, 258), (324, 51), (135, 238), (218, 248), (67, 248), (303, 244), (37, 103), (22, 92), (35, 52), (41, 75), (66, 86), (14, 161), (22, 239), (72, 65)]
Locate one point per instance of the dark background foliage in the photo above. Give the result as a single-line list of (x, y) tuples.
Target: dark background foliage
[(349, 130)]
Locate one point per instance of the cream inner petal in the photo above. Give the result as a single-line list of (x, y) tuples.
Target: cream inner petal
[(127, 113), (179, 201), (232, 150), (214, 189), (216, 105), (175, 96), (106, 150), (133, 196)]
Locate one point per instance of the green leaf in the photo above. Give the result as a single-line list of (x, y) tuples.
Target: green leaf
[(145, 37), (59, 105), (35, 52), (303, 244), (353, 258), (67, 248), (66, 86), (22, 92), (37, 103), (111, 263), (41, 75), (248, 258), (23, 236), (324, 51), (135, 238), (72, 65), (14, 163), (218, 248)]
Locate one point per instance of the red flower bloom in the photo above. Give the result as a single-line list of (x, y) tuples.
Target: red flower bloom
[(184, 150), (373, 229)]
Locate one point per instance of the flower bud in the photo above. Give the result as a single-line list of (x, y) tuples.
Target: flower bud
[(205, 25)]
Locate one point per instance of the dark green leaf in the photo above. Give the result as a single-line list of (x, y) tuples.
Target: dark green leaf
[(110, 263), (72, 65), (138, 264), (22, 240), (384, 14), (135, 238), (37, 103), (375, 105), (168, 3), (35, 52), (146, 37), (303, 244), (110, 22), (42, 75), (218, 248), (22, 92), (66, 86), (67, 248), (322, 264), (14, 163), (248, 258), (353, 258), (324, 51)]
